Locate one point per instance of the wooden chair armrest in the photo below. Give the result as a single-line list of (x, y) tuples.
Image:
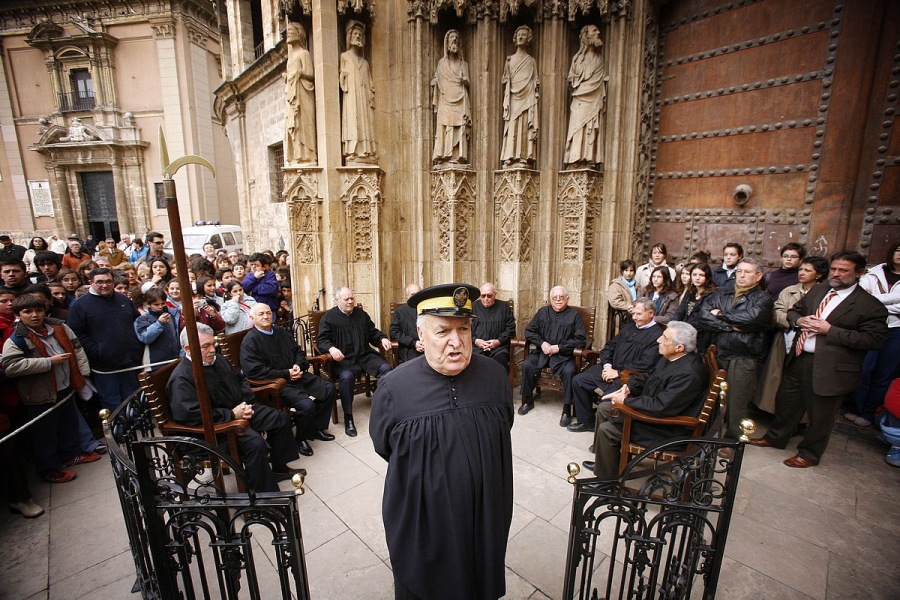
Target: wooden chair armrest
[(626, 374), (319, 361), (623, 410), (518, 343), (274, 385), (239, 426)]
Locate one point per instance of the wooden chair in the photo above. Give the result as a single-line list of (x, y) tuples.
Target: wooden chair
[(364, 383), (584, 357), (395, 345), (154, 383), (700, 425)]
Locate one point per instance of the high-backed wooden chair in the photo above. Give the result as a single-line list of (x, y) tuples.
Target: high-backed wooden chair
[(154, 386), (700, 425), (584, 357), (364, 383)]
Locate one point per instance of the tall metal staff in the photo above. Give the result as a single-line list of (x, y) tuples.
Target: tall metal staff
[(184, 282)]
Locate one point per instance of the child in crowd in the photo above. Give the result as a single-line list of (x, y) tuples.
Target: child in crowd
[(143, 272), (158, 328), (239, 269), (282, 273), (260, 282), (223, 276), (285, 310), (236, 310), (206, 313), (49, 365), (70, 282), (206, 288)]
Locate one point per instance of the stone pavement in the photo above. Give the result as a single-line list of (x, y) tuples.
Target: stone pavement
[(829, 532)]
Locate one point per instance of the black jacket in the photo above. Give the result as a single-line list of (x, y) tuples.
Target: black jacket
[(752, 314)]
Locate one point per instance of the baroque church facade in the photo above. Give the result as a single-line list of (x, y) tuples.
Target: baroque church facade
[(84, 89), (755, 121)]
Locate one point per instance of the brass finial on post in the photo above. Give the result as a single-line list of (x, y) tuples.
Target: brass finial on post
[(297, 481), (574, 470), (747, 426)]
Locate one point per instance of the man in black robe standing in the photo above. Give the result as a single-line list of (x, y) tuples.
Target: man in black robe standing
[(403, 328), (493, 327), (554, 332), (347, 333), (675, 387), (230, 398), (443, 424), (633, 349), (269, 352)]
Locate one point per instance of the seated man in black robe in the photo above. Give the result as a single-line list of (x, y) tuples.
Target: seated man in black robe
[(494, 327), (231, 398), (634, 349), (443, 424), (555, 332), (677, 386), (403, 328), (269, 352), (347, 333)]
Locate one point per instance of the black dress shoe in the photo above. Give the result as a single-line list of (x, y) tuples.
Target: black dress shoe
[(284, 472), (349, 427), (323, 436), (564, 420), (526, 407), (304, 448), (589, 465), (581, 427)]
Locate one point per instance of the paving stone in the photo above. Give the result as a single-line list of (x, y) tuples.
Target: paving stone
[(335, 471), (360, 509), (23, 570), (851, 579), (345, 568), (90, 582), (540, 551), (318, 522), (516, 587), (740, 582), (542, 495), (534, 446), (92, 478)]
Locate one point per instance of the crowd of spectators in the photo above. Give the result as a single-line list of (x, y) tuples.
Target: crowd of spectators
[(80, 318)]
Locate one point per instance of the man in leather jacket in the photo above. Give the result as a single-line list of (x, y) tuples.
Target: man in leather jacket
[(738, 319)]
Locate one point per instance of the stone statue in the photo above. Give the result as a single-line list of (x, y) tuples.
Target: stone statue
[(78, 133), (358, 114), (520, 103), (300, 105), (588, 80), (450, 99)]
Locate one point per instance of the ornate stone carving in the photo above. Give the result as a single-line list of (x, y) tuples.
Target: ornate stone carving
[(304, 7), (453, 203), (79, 133), (646, 148), (355, 6), (588, 79), (608, 9), (512, 7), (361, 194), (450, 99), (163, 30), (516, 192), (300, 100), (197, 36), (521, 86), (358, 108), (579, 196), (304, 201)]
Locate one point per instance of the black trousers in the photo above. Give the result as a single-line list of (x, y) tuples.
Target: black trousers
[(796, 396), (277, 427), (312, 397)]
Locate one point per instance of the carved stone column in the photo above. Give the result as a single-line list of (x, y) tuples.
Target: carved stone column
[(304, 200), (361, 196), (453, 224), (62, 203), (579, 200), (516, 193)]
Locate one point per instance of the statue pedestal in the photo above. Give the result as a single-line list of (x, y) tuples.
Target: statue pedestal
[(361, 195), (579, 195), (304, 199), (516, 192), (453, 224)]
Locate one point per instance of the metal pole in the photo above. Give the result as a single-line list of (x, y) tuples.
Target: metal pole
[(190, 320)]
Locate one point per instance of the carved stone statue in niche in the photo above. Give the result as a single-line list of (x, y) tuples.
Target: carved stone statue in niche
[(300, 100), (520, 103), (358, 115), (588, 80), (450, 100)]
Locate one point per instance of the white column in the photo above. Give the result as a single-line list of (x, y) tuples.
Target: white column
[(13, 157)]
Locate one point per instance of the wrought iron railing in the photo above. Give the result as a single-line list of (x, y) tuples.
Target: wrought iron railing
[(259, 50), (76, 101), (189, 534), (657, 533)]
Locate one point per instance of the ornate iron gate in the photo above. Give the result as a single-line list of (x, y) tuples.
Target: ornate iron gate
[(652, 532), (189, 536)]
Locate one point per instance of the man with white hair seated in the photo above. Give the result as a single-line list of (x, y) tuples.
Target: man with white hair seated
[(675, 387)]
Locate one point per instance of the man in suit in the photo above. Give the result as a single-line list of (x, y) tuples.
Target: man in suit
[(837, 323), (675, 387)]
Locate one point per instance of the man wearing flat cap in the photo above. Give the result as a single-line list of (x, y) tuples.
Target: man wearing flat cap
[(443, 423)]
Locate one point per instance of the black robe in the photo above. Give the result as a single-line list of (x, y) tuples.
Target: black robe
[(565, 328), (351, 334), (674, 388), (633, 349), (494, 323), (272, 356), (448, 493), (403, 329)]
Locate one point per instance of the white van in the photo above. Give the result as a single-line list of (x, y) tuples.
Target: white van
[(222, 237)]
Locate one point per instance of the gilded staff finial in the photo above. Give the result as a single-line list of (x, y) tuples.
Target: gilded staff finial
[(170, 168)]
